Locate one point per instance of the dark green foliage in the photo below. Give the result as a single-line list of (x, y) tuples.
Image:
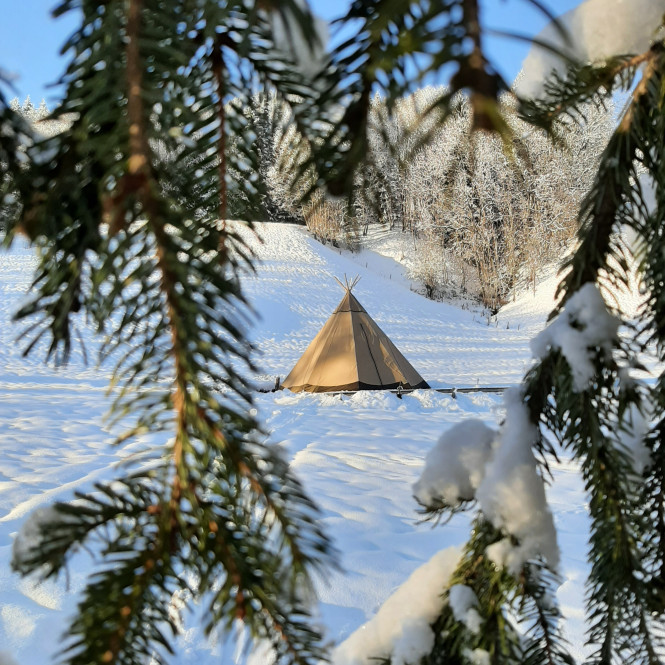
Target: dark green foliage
[(593, 423), (125, 206)]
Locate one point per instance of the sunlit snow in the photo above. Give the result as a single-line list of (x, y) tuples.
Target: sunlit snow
[(358, 455)]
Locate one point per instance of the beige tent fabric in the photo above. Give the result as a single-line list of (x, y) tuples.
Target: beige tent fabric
[(351, 352)]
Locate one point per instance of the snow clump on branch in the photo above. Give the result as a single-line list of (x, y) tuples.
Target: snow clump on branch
[(472, 461), (463, 603), (401, 630), (454, 468), (512, 494), (583, 326), (477, 656)]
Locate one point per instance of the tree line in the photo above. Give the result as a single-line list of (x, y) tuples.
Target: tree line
[(484, 216)]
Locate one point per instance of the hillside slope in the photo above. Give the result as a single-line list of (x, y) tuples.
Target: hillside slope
[(296, 291)]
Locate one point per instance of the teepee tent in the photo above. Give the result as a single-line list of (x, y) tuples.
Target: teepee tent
[(351, 352)]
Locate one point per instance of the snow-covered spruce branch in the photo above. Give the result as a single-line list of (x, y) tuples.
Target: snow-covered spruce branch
[(459, 607), (591, 409), (596, 404), (494, 603), (579, 400)]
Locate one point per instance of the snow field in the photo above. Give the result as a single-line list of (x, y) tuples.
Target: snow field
[(358, 456)]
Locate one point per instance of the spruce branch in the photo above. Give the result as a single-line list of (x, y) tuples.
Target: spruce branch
[(614, 199), (159, 276), (582, 421), (589, 419), (518, 611), (544, 644), (590, 422), (565, 94), (217, 60)]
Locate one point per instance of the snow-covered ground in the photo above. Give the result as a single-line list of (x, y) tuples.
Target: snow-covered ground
[(357, 455)]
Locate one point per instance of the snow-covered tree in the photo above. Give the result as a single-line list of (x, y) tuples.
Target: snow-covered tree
[(495, 215), (269, 119), (24, 124), (502, 214)]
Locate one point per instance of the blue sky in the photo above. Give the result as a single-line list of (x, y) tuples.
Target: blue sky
[(30, 40)]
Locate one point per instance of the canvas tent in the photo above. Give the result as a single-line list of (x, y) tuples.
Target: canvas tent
[(351, 352)]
